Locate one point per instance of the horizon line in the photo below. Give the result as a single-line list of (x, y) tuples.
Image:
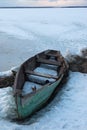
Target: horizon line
[(71, 6)]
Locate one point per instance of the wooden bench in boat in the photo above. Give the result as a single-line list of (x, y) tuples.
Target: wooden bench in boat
[(41, 75), (51, 55), (46, 61)]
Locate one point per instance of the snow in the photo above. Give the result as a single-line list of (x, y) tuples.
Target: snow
[(7, 103), (28, 87), (67, 111), (25, 32), (35, 81), (46, 71), (42, 80), (5, 73)]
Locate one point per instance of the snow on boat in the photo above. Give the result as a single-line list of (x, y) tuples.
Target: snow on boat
[(36, 80)]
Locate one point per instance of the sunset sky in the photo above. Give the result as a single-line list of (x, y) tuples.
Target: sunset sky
[(42, 2)]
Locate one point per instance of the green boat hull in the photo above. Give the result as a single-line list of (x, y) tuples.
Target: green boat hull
[(27, 107), (45, 71)]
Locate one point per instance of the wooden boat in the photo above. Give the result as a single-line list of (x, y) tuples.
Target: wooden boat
[(36, 81)]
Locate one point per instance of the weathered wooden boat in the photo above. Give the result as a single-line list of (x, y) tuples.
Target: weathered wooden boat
[(36, 81)]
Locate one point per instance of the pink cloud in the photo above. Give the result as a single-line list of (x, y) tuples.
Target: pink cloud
[(42, 2), (52, 2)]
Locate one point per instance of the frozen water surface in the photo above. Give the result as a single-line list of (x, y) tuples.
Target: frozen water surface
[(25, 32)]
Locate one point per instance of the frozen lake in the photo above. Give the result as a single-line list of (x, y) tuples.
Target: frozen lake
[(23, 33)]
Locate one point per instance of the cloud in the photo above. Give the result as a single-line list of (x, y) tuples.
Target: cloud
[(42, 2), (8, 2), (52, 2)]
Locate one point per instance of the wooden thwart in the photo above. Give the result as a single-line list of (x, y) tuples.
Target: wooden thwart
[(41, 75), (45, 61), (51, 55)]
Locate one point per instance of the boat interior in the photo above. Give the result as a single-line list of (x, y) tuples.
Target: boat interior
[(40, 70)]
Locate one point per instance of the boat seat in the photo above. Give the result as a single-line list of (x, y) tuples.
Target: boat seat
[(51, 55), (46, 61), (41, 75)]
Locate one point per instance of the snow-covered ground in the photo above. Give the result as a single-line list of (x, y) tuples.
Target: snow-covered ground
[(23, 33), (68, 110)]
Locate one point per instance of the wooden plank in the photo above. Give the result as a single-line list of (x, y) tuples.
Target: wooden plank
[(41, 75), (52, 55), (50, 62)]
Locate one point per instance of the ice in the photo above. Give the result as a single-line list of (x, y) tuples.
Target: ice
[(30, 31), (25, 32)]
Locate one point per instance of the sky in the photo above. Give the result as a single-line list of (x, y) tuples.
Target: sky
[(42, 2)]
